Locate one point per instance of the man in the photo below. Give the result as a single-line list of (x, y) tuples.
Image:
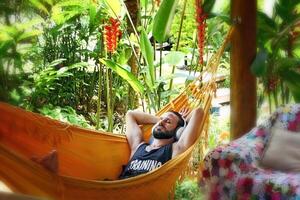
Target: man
[(146, 157)]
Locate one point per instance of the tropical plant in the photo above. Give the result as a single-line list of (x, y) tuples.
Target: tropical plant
[(17, 36), (65, 114), (188, 189), (154, 91), (277, 61), (93, 37), (47, 86)]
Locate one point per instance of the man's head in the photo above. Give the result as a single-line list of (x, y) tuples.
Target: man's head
[(167, 126)]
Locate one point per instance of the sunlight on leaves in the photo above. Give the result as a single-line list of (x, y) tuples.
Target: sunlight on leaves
[(115, 7)]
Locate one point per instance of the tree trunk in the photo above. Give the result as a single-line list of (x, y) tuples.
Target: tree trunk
[(133, 9)]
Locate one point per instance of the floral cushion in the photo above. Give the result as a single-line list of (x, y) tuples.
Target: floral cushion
[(233, 171)]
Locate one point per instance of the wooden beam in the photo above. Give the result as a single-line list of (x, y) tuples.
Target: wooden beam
[(243, 83)]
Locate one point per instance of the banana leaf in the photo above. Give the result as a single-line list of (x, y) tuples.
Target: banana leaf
[(148, 54), (163, 19), (126, 75)]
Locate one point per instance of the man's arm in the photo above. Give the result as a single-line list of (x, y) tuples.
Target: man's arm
[(133, 131), (190, 133)]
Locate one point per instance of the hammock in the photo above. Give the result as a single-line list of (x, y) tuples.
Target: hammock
[(90, 161)]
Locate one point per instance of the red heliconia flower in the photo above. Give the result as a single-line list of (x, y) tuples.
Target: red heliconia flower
[(112, 34), (201, 24), (272, 83)]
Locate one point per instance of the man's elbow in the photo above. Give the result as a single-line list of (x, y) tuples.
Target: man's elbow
[(131, 114), (198, 113)]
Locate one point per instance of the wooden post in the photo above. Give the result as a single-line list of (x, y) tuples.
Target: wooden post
[(243, 83)]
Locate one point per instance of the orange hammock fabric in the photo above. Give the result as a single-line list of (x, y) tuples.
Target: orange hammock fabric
[(89, 161)]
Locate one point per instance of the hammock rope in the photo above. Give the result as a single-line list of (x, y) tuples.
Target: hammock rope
[(90, 161)]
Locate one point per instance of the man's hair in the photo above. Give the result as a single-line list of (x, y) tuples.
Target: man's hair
[(180, 121)]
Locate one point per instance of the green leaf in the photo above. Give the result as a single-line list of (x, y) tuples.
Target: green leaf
[(128, 76), (294, 88), (114, 7), (266, 28), (39, 5), (163, 19), (97, 20), (50, 2), (144, 3), (79, 65), (62, 70), (208, 5), (65, 10), (124, 56), (223, 17), (148, 54), (174, 57), (56, 62), (265, 21), (259, 65), (30, 24), (5, 37), (296, 94), (285, 10), (29, 34), (292, 79), (296, 47), (287, 63), (63, 16), (92, 13)]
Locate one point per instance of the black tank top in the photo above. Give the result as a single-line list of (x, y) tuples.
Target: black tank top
[(143, 161)]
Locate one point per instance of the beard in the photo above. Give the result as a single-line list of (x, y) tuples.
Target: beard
[(158, 134)]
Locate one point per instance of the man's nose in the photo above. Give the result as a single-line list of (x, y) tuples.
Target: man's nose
[(162, 121)]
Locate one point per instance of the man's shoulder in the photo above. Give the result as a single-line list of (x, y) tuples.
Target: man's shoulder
[(138, 146)]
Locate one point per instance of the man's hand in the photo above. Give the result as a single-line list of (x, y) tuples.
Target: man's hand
[(185, 113)]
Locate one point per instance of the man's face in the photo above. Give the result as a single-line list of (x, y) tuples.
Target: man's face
[(165, 128)]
